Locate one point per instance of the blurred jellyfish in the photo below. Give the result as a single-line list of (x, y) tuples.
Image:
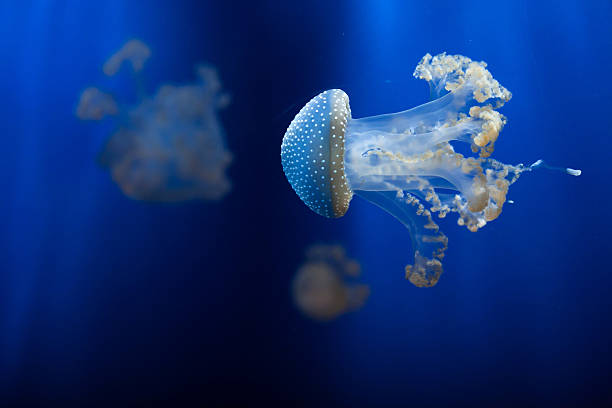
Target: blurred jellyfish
[(321, 287), (170, 146), (404, 162)]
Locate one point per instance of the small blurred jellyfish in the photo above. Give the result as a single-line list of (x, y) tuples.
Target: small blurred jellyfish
[(404, 162), (171, 145), (321, 287)]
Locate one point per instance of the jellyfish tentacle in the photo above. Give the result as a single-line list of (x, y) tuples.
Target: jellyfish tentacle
[(456, 116), (541, 164), (428, 241), (473, 90)]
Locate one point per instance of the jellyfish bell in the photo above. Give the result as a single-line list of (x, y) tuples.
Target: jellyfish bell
[(404, 162), (312, 154), (319, 291)]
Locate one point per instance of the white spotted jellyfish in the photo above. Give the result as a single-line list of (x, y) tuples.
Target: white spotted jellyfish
[(404, 162)]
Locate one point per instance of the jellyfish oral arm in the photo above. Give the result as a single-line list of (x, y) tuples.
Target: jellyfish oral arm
[(428, 242), (404, 160), (420, 128)]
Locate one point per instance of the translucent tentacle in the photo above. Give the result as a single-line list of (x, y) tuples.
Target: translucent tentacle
[(540, 164), (428, 242)]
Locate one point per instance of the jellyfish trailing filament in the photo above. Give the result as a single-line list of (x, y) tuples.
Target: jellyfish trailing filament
[(404, 162)]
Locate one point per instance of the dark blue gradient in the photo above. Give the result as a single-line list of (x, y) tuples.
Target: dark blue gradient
[(114, 302)]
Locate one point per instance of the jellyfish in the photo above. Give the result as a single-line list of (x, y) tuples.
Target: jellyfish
[(405, 162), (322, 287), (170, 146)]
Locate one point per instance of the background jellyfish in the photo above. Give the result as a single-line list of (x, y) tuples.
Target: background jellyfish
[(170, 146), (321, 287), (404, 162)]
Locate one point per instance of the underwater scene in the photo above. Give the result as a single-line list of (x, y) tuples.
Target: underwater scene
[(368, 203)]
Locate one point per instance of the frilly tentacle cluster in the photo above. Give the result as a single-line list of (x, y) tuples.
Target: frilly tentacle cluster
[(427, 267), (453, 71), (473, 86), (483, 183), (490, 183)]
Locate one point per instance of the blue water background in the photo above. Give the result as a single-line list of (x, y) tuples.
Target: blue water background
[(103, 298)]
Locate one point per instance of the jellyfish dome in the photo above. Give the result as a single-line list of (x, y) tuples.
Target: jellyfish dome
[(404, 162), (312, 153)]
